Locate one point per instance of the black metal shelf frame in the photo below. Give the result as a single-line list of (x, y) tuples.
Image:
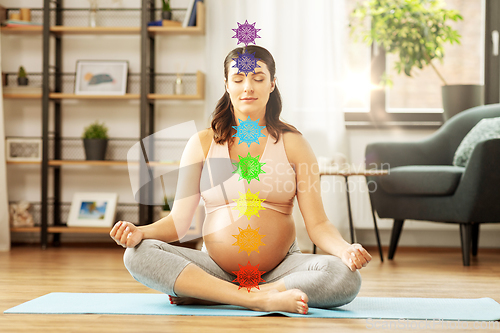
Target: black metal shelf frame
[(53, 79)]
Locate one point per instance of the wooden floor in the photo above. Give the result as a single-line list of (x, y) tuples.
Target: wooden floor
[(29, 272)]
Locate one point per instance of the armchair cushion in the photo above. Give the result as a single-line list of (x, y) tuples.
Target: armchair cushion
[(488, 128), (422, 180)]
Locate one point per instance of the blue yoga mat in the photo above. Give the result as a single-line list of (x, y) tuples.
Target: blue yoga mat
[(362, 307)]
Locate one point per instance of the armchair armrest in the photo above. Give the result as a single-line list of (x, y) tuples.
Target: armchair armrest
[(480, 184), (385, 155)]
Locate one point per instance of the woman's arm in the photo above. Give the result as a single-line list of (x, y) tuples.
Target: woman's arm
[(320, 230), (187, 197)]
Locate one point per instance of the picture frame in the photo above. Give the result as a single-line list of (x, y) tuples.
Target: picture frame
[(23, 150), (92, 209), (101, 77)]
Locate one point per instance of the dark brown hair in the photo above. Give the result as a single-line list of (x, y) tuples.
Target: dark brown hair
[(223, 115)]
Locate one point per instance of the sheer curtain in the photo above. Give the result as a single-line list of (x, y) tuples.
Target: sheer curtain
[(306, 40), (4, 204)]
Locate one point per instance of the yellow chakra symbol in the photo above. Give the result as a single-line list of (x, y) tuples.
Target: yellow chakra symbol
[(249, 204), (249, 240)]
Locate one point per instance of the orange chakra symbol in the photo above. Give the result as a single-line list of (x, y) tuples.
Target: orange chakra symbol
[(248, 240), (248, 276)]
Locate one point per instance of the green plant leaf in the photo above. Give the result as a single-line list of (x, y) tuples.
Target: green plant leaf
[(95, 131), (415, 30)]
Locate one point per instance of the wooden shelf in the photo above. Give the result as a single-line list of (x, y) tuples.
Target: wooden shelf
[(105, 163), (22, 30), (25, 229), (199, 29), (64, 230), (23, 96), (79, 230), (74, 96), (85, 162), (95, 31), (200, 90), (23, 162)]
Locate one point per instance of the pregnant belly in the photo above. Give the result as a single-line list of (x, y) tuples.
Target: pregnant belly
[(263, 240)]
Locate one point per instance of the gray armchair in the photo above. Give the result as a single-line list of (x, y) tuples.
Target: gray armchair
[(424, 185)]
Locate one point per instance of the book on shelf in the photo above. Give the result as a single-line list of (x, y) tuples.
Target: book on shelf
[(22, 90), (190, 18)]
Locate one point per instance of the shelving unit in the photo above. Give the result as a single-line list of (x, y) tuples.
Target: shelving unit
[(54, 92)]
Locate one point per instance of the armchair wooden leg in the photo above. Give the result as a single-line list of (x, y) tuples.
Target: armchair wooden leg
[(396, 232), (475, 238), (466, 238)]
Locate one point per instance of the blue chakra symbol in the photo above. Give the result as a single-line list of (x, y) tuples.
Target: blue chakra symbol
[(248, 131), (246, 33), (246, 63)]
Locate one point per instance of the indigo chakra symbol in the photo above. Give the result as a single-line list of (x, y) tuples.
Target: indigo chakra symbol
[(248, 131), (249, 168), (246, 63), (246, 33)]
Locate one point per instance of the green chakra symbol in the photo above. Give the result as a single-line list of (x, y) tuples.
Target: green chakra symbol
[(249, 168)]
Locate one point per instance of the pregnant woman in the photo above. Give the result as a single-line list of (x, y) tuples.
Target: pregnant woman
[(250, 255)]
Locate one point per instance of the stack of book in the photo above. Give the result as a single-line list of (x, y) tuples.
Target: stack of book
[(190, 18), (19, 23)]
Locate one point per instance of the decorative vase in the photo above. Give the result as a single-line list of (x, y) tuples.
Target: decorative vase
[(95, 149), (166, 15), (94, 8), (460, 97), (179, 86), (22, 81)]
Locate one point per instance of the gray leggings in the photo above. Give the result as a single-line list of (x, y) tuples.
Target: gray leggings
[(325, 279)]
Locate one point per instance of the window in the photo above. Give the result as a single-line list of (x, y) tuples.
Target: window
[(417, 100)]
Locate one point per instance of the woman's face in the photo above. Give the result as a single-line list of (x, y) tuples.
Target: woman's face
[(249, 94)]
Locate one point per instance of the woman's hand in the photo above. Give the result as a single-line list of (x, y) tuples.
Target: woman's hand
[(355, 256), (126, 234)]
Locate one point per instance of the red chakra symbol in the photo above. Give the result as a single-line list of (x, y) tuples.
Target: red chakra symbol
[(248, 276)]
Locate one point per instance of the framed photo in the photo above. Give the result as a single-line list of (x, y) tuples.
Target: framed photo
[(93, 210), (101, 77), (23, 150)]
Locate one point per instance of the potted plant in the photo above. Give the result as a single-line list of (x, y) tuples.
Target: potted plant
[(165, 209), (166, 13), (22, 78), (95, 141), (416, 30)]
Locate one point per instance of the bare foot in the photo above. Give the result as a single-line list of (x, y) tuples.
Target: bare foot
[(293, 300), (190, 300)]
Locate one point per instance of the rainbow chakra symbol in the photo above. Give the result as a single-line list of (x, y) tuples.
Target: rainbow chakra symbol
[(246, 63), (249, 168), (248, 276), (249, 204), (246, 33), (248, 240), (248, 131)]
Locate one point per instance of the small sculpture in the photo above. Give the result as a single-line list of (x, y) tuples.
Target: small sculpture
[(20, 217)]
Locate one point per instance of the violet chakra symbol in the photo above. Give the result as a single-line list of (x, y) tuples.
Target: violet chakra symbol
[(246, 33), (246, 63)]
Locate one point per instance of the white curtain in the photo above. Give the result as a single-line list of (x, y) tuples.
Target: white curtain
[(4, 204), (306, 39)]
